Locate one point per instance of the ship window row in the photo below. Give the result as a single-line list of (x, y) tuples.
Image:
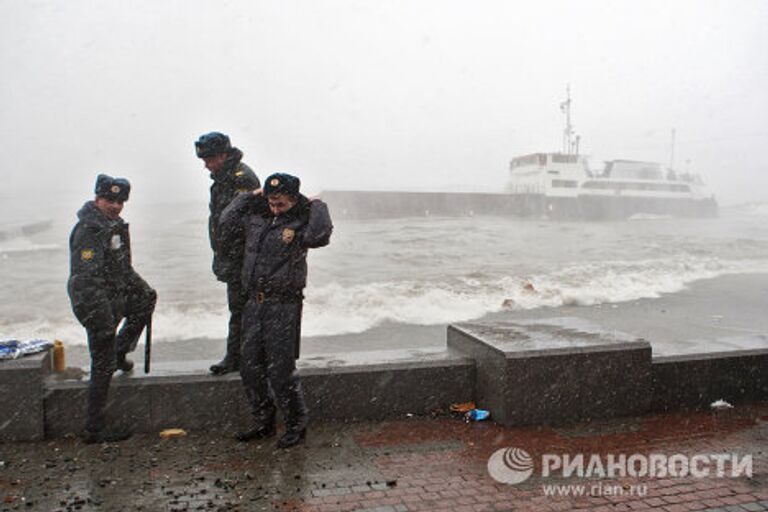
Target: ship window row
[(565, 183), (659, 187), (541, 159), (535, 159), (559, 158)]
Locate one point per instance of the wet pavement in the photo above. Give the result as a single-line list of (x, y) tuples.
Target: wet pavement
[(417, 463)]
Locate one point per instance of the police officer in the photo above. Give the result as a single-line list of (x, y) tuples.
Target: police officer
[(104, 289), (230, 176), (279, 225)]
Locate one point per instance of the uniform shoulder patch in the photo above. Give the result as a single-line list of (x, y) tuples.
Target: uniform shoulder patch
[(86, 254), (239, 173), (288, 235)]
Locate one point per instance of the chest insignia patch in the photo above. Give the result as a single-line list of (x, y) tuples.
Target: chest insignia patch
[(86, 254), (288, 235), (116, 242)]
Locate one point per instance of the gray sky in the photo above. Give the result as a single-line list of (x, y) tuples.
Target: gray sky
[(399, 95)]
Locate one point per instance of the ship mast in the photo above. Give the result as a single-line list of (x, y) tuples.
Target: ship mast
[(570, 139)]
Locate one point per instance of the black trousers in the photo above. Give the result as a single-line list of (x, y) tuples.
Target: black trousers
[(270, 332), (101, 323), (236, 299)]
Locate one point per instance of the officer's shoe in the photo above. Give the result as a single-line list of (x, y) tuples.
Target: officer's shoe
[(123, 364), (255, 433), (103, 436), (225, 366), (292, 437)]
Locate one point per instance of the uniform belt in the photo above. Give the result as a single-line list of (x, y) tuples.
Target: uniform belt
[(262, 297)]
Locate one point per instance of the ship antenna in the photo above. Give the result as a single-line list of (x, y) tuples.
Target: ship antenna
[(570, 146)]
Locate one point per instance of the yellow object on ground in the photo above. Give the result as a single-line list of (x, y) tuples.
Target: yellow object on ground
[(173, 432), (59, 363)]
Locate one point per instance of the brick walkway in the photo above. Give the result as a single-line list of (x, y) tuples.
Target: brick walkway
[(435, 464)]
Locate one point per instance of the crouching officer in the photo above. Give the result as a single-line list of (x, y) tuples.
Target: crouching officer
[(230, 176), (104, 289), (279, 225)]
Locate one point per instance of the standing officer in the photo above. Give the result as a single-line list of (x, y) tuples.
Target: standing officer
[(104, 289), (230, 176), (279, 225)]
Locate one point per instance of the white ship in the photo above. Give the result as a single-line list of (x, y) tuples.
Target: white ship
[(552, 185), (562, 185)]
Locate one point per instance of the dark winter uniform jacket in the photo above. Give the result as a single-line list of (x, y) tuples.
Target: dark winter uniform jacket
[(275, 260), (234, 178), (100, 264)]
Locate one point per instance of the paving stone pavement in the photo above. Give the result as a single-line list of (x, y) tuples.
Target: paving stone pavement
[(413, 464)]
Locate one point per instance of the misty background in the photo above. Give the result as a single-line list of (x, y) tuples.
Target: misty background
[(389, 95)]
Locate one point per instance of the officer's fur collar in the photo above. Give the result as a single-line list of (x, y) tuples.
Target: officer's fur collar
[(227, 173), (91, 216)]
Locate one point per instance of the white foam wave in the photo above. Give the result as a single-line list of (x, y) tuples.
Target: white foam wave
[(335, 309), (171, 322), (341, 309), (753, 209), (47, 328), (18, 245)]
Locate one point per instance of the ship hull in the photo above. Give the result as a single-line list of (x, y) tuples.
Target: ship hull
[(374, 205), (611, 208)]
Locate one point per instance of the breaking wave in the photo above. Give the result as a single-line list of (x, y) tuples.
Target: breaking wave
[(335, 309), (752, 209)]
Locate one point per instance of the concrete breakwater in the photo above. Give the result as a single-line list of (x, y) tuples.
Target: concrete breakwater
[(523, 372), (359, 204)]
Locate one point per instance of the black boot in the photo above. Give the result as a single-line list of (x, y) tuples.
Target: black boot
[(103, 436), (225, 366), (123, 364), (292, 437), (255, 434)]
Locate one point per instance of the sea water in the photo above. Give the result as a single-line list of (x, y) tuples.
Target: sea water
[(418, 271)]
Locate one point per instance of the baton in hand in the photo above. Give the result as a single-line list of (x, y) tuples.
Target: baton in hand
[(147, 344)]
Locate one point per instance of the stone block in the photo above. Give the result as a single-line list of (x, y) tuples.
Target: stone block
[(21, 397), (545, 374)]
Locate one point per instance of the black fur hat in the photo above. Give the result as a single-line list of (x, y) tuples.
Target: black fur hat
[(114, 189)]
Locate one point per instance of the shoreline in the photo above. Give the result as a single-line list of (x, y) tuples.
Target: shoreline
[(719, 314)]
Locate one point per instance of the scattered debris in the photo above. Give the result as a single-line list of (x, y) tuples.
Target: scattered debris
[(463, 407), (477, 415), (173, 432), (11, 348), (720, 405)]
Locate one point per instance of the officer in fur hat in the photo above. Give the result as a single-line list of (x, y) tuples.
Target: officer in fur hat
[(105, 289), (279, 225), (230, 176)]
